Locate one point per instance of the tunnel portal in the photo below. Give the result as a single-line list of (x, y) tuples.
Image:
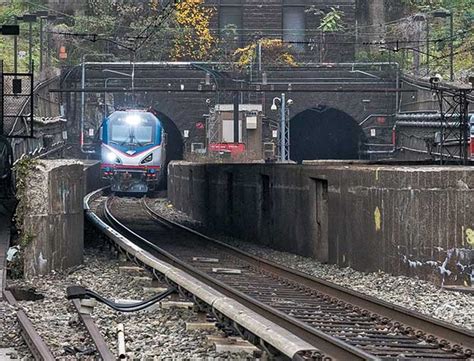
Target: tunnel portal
[(324, 133)]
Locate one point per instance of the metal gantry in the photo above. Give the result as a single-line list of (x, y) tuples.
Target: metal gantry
[(284, 126), (453, 141), (212, 127)]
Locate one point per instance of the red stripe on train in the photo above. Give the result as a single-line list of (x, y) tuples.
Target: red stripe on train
[(123, 166)]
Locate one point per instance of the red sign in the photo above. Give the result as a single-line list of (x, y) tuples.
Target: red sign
[(233, 148), (199, 125)]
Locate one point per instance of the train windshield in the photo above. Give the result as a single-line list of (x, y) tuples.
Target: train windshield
[(133, 129)]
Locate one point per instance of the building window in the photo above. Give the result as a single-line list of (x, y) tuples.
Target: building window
[(294, 24), (230, 21)]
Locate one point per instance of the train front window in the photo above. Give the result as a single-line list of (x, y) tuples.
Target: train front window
[(132, 129), (119, 133), (144, 134)]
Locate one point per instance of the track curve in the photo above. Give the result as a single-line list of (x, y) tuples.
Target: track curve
[(343, 324)]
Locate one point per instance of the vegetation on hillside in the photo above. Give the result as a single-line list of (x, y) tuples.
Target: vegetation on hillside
[(420, 42), (274, 53), (132, 29), (8, 12)]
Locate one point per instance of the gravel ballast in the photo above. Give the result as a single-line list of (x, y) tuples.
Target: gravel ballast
[(159, 334), (10, 337), (453, 307)]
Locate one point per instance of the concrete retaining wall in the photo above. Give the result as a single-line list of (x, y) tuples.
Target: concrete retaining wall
[(54, 219), (416, 221), (93, 177), (261, 203)]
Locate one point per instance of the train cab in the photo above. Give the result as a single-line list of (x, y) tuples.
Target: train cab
[(132, 151)]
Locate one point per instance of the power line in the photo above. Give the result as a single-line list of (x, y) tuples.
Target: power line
[(166, 12), (92, 37)]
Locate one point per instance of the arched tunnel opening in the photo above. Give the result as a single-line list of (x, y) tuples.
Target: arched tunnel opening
[(174, 145), (324, 133), (174, 142)]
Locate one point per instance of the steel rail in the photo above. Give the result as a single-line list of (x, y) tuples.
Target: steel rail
[(94, 333), (329, 345), (35, 343), (419, 322), (246, 322)]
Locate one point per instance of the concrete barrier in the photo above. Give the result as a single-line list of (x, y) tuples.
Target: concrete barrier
[(281, 206), (93, 177), (53, 220), (412, 220)]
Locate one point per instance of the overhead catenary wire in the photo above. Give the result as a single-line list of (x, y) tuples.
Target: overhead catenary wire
[(94, 37)]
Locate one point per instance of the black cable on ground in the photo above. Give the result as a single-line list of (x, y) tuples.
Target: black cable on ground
[(79, 292)]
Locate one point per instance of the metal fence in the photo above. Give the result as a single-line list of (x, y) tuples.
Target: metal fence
[(16, 104)]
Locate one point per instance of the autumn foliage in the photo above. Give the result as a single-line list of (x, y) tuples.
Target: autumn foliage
[(194, 40), (274, 53)]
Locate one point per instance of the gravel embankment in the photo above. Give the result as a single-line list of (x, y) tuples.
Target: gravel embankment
[(418, 295), (159, 334)]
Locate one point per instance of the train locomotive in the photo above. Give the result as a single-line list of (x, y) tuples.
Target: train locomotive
[(133, 151)]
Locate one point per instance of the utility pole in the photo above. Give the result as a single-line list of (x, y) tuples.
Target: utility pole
[(451, 46), (30, 19), (41, 44), (30, 47), (427, 46), (83, 95), (15, 51), (236, 118), (443, 13), (282, 128)]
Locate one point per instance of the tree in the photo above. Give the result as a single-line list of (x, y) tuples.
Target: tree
[(331, 24), (332, 21), (463, 40), (193, 40), (8, 11), (274, 53)]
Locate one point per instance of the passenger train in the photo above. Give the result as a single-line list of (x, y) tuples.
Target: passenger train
[(133, 151)]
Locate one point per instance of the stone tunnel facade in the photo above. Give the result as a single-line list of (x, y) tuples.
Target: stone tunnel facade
[(344, 88)]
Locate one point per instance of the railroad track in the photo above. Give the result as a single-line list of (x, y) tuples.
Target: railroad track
[(33, 340), (38, 347), (342, 324)]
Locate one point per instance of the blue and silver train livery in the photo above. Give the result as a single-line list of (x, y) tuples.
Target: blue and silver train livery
[(133, 151)]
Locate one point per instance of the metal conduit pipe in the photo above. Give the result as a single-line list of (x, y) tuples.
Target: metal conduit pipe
[(309, 66), (404, 123), (83, 96), (425, 116)]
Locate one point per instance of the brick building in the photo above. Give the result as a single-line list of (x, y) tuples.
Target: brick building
[(296, 22)]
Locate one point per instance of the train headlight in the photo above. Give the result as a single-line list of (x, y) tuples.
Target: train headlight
[(112, 157), (147, 159), (133, 119)]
